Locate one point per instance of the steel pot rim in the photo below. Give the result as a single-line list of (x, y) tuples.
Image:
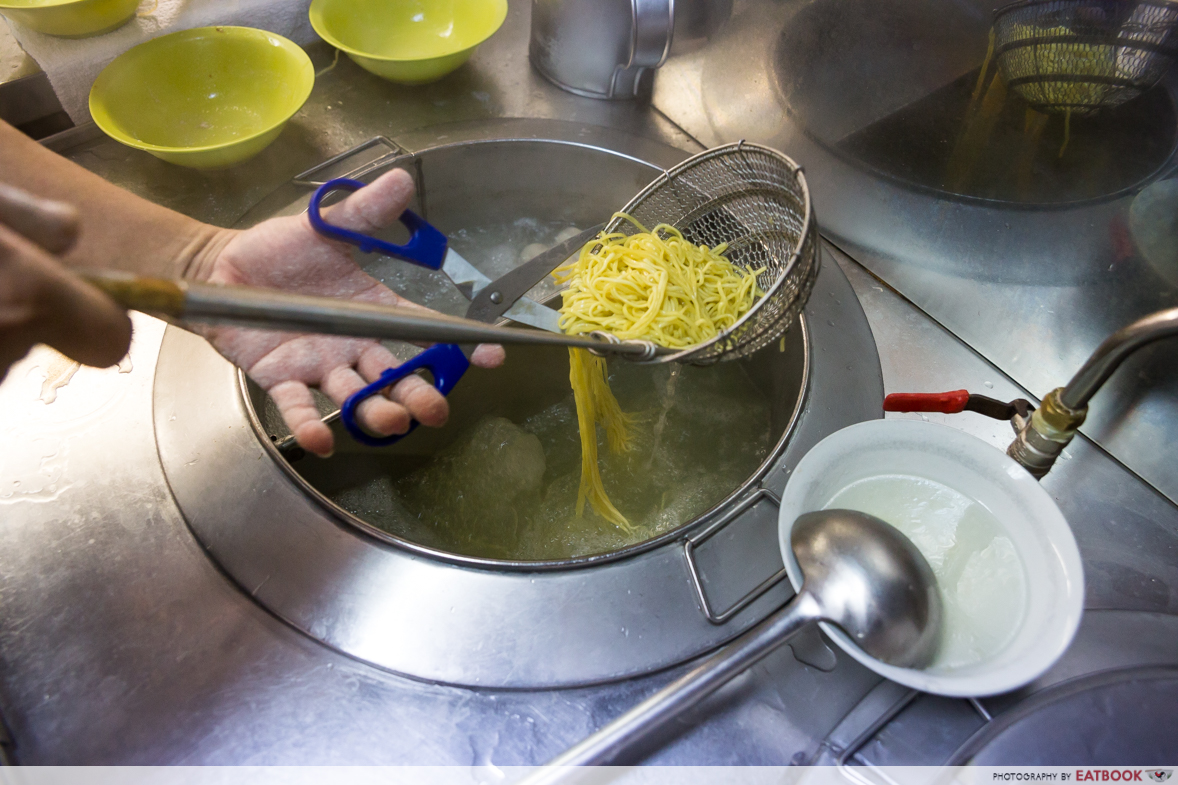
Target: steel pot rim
[(381, 537)]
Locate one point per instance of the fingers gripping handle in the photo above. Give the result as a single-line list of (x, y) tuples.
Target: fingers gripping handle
[(445, 361), (426, 246), (945, 403)]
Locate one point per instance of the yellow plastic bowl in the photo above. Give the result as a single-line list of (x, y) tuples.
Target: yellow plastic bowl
[(70, 18), (407, 41), (205, 98)]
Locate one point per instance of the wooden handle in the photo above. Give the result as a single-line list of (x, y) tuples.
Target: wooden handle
[(150, 295)]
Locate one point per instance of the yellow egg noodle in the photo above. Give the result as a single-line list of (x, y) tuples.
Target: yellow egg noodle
[(654, 286)]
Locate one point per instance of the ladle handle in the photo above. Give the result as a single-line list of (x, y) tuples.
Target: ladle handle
[(610, 745)]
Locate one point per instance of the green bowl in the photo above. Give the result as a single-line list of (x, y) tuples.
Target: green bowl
[(70, 18), (407, 41), (207, 98)]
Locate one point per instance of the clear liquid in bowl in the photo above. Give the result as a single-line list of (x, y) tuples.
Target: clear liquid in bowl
[(979, 573)]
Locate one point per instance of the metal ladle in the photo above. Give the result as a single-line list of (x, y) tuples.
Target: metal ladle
[(860, 573)]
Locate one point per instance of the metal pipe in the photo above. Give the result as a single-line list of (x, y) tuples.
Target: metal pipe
[(1043, 436), (270, 309), (1115, 350)]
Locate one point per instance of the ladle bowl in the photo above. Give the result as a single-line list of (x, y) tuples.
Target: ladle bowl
[(861, 574), (872, 582)]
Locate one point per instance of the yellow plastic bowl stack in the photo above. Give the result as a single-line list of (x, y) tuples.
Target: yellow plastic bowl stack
[(407, 41), (205, 98), (70, 18)]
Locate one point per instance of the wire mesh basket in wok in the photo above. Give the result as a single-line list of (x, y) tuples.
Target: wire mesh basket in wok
[(1080, 56), (756, 200)]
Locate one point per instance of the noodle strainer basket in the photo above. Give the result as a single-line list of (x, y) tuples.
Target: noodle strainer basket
[(756, 200), (1079, 56)]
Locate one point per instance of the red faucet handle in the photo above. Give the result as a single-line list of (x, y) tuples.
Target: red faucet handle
[(945, 403)]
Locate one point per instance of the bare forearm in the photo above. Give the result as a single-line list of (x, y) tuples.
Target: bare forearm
[(118, 230)]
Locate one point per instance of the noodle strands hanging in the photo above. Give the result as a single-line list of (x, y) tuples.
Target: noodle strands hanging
[(652, 285)]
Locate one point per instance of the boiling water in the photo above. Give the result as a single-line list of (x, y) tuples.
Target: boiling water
[(495, 249), (508, 490), (978, 571)]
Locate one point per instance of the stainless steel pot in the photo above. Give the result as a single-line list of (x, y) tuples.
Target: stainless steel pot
[(600, 48), (458, 619)]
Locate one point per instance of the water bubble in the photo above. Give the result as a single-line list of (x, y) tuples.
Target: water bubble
[(490, 494)]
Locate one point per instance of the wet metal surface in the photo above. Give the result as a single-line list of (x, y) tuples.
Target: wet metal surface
[(121, 642), (349, 105), (1029, 251)]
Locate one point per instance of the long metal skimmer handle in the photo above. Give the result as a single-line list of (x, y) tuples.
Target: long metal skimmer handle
[(275, 310), (609, 745)]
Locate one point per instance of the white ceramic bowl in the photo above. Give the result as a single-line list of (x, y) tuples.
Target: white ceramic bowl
[(1051, 561)]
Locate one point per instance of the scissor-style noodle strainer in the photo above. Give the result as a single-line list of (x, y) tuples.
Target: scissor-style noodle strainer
[(751, 197)]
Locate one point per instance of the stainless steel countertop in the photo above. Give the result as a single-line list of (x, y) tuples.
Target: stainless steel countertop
[(1058, 278), (844, 87), (348, 106), (120, 641)]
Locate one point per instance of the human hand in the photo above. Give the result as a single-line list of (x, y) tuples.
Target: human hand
[(40, 301), (286, 253)]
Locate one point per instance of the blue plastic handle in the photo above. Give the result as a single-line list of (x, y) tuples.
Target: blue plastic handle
[(426, 246), (445, 361)]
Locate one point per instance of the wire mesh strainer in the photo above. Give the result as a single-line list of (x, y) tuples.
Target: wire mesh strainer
[(1080, 56), (756, 200)]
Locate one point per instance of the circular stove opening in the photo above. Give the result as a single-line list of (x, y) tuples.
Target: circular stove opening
[(498, 485), (897, 88), (448, 617)]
